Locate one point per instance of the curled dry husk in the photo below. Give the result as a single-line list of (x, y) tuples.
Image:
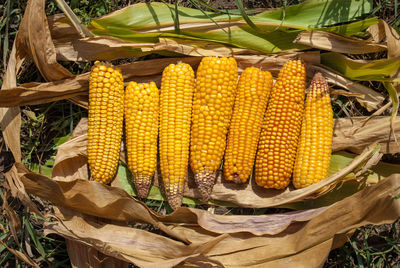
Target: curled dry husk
[(96, 219)]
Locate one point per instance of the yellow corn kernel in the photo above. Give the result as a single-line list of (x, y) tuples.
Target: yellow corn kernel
[(213, 100), (105, 121), (141, 130), (252, 95), (315, 145), (176, 96), (281, 128)]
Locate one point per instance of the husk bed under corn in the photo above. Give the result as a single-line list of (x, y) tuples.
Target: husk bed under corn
[(188, 236)]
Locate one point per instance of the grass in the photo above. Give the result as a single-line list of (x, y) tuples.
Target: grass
[(45, 127)]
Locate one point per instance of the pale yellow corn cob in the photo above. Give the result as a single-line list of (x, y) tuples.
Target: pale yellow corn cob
[(106, 110), (176, 98), (315, 146), (141, 130)]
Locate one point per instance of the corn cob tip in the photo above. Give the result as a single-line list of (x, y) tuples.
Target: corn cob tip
[(205, 181), (174, 193), (320, 82), (142, 184), (174, 199)]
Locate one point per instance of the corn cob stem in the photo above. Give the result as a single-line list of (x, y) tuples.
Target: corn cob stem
[(105, 122), (281, 128), (251, 101), (141, 130), (212, 110), (315, 146), (176, 98)]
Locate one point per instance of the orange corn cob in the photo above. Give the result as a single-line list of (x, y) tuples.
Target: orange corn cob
[(281, 128)]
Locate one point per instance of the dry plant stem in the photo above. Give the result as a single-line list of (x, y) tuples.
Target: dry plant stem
[(142, 184), (205, 181)]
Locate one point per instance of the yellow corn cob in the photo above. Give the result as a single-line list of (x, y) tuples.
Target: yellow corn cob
[(251, 101), (141, 130), (214, 96), (315, 146), (175, 118), (281, 128), (106, 109)]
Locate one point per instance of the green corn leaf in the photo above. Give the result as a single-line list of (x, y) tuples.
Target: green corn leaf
[(376, 70), (395, 103), (267, 32), (315, 13)]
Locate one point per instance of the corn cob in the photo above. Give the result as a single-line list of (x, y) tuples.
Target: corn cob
[(141, 130), (315, 146), (177, 86), (281, 128), (251, 101), (106, 102), (214, 96)]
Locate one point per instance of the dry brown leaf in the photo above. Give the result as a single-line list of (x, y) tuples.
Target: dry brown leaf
[(355, 136), (96, 48), (81, 255), (392, 40), (10, 118), (17, 188), (337, 43), (198, 48), (346, 93), (136, 211), (34, 40), (255, 224), (36, 93), (372, 98), (14, 222), (377, 32), (305, 244), (115, 204)]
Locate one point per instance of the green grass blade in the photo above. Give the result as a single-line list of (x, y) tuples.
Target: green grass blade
[(6, 257), (225, 11), (2, 237), (34, 237), (208, 16), (176, 20), (239, 4)]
